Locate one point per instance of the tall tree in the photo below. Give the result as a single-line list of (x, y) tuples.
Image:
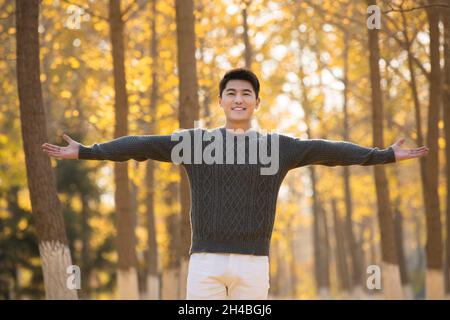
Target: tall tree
[(408, 41), (46, 208), (446, 106), (320, 268), (350, 236), (390, 268), (434, 250), (127, 279), (204, 88), (188, 113), (152, 254), (248, 52)]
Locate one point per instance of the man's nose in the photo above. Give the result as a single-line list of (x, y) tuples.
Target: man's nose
[(238, 98)]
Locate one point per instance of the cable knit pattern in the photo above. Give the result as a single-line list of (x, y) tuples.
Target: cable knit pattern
[(233, 205)]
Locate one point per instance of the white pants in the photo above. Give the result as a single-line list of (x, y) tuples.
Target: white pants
[(220, 276)]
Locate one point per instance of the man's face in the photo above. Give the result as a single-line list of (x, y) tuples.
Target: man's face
[(238, 101)]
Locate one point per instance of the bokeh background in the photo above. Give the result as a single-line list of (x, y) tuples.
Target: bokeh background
[(111, 68)]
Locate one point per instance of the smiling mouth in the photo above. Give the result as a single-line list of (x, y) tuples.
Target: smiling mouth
[(238, 109)]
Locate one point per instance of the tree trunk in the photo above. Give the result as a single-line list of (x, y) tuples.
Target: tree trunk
[(275, 267), (319, 267), (171, 274), (127, 279), (316, 234), (292, 261), (171, 285), (153, 283), (418, 117), (285, 280), (419, 250), (341, 261), (372, 255), (47, 93), (85, 250), (390, 269), (46, 208), (188, 114), (205, 73), (134, 222), (446, 106), (434, 250), (248, 47), (404, 273), (320, 261), (325, 251), (354, 256)]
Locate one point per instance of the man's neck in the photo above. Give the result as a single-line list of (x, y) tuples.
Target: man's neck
[(239, 127)]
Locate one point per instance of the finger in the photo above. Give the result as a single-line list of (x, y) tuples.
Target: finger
[(67, 138), (51, 148), (418, 149), (418, 152), (421, 153), (399, 142), (49, 145)]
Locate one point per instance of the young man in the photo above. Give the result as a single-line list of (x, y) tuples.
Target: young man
[(233, 202)]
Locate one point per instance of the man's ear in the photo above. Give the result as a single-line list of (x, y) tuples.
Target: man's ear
[(220, 101), (258, 101)]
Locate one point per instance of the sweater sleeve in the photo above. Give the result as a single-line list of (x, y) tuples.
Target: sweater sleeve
[(336, 153), (139, 148)]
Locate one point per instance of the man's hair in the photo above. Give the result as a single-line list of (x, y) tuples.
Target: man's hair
[(240, 74)]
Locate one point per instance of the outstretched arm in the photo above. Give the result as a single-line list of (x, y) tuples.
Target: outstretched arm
[(140, 148), (343, 153)]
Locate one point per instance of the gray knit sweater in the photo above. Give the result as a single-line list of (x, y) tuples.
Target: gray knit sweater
[(233, 205)]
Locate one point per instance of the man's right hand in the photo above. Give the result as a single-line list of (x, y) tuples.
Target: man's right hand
[(69, 152)]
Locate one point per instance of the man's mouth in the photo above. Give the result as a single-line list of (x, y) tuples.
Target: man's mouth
[(238, 109)]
